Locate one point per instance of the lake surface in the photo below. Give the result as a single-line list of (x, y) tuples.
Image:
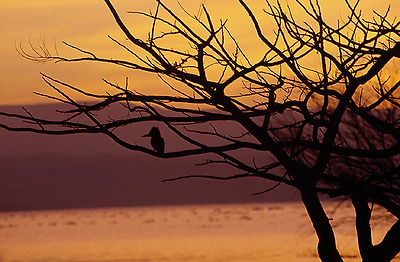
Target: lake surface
[(243, 232)]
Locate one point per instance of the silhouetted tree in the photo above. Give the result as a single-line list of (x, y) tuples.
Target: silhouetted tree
[(319, 104)]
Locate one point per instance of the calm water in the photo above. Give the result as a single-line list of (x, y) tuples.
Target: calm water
[(250, 232)]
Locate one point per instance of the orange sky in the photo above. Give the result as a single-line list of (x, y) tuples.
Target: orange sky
[(87, 24)]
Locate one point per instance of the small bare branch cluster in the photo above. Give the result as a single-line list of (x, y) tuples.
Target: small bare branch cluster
[(319, 105)]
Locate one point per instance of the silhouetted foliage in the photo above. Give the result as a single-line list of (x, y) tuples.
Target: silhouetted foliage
[(319, 104)]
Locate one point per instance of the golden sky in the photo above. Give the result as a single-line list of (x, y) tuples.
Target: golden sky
[(87, 24)]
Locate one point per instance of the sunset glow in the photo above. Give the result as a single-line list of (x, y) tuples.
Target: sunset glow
[(199, 130), (87, 24)]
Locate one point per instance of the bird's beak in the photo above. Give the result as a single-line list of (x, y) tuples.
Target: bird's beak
[(146, 135)]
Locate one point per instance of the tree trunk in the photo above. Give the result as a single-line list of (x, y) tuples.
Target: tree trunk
[(327, 250), (363, 228), (390, 245)]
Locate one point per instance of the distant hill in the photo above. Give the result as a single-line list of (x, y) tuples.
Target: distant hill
[(90, 171)]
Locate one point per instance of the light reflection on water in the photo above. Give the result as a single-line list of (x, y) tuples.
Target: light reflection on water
[(250, 232)]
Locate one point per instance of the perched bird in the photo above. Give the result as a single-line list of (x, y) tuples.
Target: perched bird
[(156, 141)]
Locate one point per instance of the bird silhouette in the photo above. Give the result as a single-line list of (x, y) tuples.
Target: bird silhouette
[(156, 141)]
